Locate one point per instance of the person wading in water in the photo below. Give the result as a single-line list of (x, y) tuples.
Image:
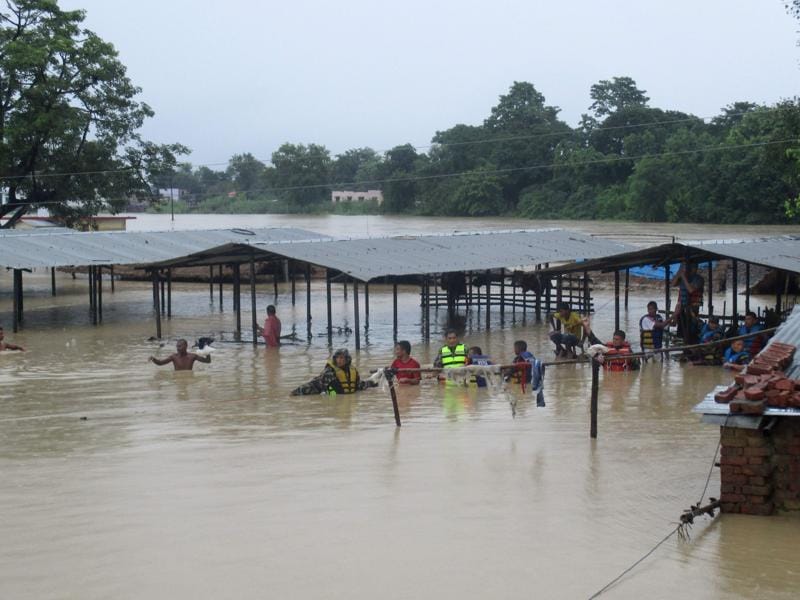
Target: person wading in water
[(182, 360)]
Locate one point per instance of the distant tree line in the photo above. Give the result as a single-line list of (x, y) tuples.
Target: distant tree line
[(625, 160)]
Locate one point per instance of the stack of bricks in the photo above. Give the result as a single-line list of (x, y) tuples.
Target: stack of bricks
[(764, 383)]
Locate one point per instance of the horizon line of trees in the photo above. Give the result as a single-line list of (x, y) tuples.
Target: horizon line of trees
[(624, 160)]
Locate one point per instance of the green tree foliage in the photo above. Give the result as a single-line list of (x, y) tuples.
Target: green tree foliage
[(614, 95), (69, 117), (302, 174), (245, 171)]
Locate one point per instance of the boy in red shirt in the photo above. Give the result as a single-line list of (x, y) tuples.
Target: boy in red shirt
[(403, 360)]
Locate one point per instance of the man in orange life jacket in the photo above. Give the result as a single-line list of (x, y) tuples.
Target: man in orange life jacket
[(615, 358)]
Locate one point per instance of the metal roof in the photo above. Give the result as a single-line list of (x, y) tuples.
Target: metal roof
[(369, 258), (775, 253), (41, 248)]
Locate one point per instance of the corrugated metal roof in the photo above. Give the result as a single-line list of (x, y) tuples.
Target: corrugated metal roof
[(367, 259), (777, 253), (25, 250)]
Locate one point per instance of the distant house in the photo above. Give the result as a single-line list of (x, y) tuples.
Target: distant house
[(352, 196)]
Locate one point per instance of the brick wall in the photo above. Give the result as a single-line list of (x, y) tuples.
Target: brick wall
[(760, 470)]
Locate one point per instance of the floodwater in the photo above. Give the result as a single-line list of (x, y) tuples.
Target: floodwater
[(218, 484)]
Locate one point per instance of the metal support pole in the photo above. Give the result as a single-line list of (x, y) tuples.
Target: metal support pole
[(162, 285), (394, 311), (254, 316), (52, 281), (627, 286), (469, 289), (308, 301), (502, 295), (275, 282), (357, 326), (559, 289), (778, 293), (156, 304), (220, 287), (366, 306), (294, 286), (735, 292), (169, 293), (488, 299), (111, 277), (587, 297), (93, 296), (595, 390), (237, 298), (99, 288), (667, 277), (747, 287), (427, 309), (15, 299), (711, 288), (211, 284), (616, 300), (328, 305)]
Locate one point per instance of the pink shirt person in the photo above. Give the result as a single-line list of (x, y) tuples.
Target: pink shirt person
[(272, 329)]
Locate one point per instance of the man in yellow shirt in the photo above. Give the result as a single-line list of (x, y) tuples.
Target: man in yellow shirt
[(567, 331)]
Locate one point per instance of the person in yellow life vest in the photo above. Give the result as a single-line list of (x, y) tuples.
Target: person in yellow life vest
[(567, 331), (453, 354), (338, 377)]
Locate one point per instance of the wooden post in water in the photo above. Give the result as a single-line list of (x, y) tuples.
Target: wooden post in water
[(427, 309), (52, 281), (308, 302), (616, 299), (357, 326), (157, 304), (502, 295), (667, 275), (162, 285), (211, 284), (390, 378), (275, 284), (254, 316), (587, 297), (111, 277), (93, 296), (328, 305), (593, 405)]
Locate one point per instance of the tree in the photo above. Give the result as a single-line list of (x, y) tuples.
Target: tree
[(245, 171), (347, 167), (69, 117), (613, 95), (302, 174)]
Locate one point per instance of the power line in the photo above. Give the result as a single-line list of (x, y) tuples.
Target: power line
[(490, 140)]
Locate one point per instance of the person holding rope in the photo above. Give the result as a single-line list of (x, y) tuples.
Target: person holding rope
[(271, 332), (616, 351), (338, 377), (690, 285), (453, 354), (403, 360), (570, 321)]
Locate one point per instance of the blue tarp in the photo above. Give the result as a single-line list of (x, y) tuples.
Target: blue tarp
[(651, 272)]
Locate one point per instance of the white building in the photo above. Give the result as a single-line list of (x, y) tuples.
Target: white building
[(351, 196)]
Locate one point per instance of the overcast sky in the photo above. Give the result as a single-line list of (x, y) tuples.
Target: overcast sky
[(247, 75)]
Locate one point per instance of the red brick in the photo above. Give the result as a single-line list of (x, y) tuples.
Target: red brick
[(754, 460), (757, 481), (732, 450), (755, 470), (737, 461), (793, 450), (730, 507), (732, 498), (737, 479), (751, 451), (735, 442), (757, 499), (763, 510), (757, 441), (791, 505), (757, 490), (729, 488)]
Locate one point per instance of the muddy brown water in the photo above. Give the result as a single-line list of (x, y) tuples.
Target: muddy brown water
[(216, 483)]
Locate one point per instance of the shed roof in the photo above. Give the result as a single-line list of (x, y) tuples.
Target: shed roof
[(369, 258), (25, 249), (776, 253)]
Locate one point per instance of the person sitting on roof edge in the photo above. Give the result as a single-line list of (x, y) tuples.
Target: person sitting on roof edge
[(572, 333)]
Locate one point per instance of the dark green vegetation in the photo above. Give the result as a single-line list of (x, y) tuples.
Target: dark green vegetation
[(626, 160), (69, 117)]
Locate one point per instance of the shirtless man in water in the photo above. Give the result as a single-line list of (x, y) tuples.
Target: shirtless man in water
[(7, 345), (181, 360)]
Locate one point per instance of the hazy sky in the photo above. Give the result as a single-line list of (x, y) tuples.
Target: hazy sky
[(246, 76)]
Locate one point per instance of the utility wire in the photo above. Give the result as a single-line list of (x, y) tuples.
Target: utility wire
[(605, 160)]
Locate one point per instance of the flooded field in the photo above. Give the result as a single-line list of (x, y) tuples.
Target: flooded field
[(120, 479)]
